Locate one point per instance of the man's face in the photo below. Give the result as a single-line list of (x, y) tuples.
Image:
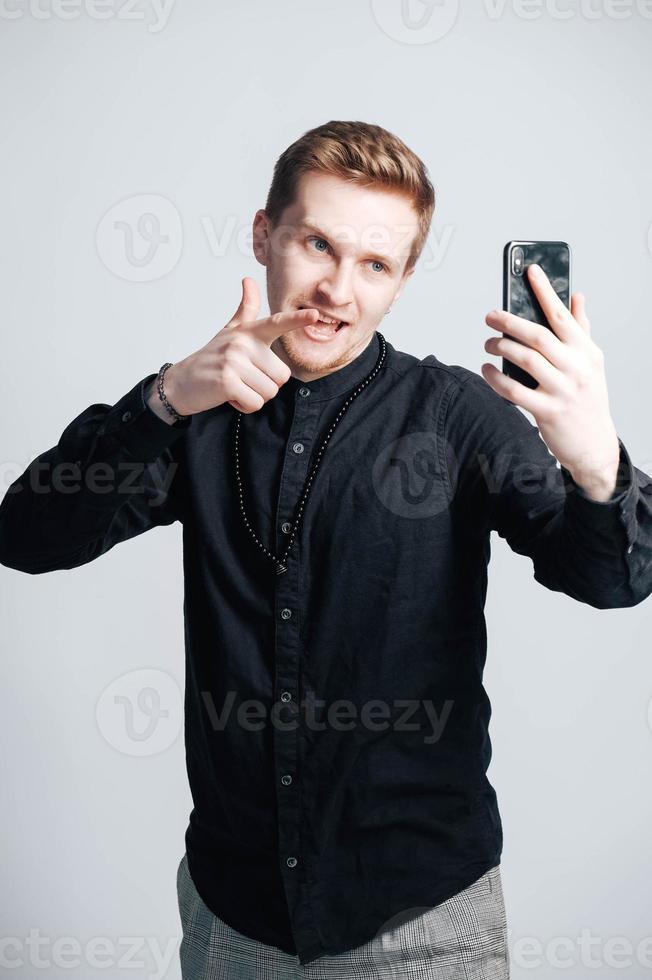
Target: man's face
[(341, 249)]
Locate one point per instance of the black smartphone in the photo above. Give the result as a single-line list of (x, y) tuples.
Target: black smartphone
[(518, 295)]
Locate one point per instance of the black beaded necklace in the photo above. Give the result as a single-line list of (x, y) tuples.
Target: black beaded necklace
[(280, 563)]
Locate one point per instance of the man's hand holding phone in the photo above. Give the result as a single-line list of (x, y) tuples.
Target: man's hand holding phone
[(570, 404), (236, 366)]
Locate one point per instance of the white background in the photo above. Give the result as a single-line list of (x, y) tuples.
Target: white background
[(534, 122)]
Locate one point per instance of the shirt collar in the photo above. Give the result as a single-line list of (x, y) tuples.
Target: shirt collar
[(340, 381)]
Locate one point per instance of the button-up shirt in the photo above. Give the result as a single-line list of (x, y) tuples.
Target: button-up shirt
[(336, 723)]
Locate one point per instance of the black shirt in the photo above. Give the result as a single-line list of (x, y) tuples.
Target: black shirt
[(336, 724)]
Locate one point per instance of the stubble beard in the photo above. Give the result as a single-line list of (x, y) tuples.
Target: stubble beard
[(299, 360)]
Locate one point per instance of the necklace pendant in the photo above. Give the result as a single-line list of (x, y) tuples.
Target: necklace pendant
[(280, 568)]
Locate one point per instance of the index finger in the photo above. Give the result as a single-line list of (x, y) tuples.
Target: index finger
[(271, 327), (555, 311)]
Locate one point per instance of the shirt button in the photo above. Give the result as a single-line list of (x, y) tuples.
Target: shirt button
[(126, 416), (304, 392), (286, 696), (286, 780), (291, 862), (297, 448), (286, 613), (286, 527)]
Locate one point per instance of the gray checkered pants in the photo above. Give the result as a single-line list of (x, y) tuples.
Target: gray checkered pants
[(463, 938)]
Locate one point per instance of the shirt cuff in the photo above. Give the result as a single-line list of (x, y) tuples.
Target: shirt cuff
[(621, 506), (139, 429)]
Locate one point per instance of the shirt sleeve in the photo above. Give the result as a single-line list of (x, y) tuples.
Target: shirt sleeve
[(503, 477), (113, 474)]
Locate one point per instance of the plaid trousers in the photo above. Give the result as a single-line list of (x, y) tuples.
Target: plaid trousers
[(463, 938)]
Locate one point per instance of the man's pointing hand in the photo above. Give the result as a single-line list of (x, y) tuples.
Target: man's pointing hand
[(237, 365)]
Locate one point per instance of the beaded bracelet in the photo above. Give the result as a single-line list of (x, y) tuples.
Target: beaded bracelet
[(163, 396)]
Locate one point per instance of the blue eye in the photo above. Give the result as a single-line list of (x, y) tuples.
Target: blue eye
[(314, 238)]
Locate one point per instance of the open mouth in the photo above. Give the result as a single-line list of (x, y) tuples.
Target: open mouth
[(326, 326)]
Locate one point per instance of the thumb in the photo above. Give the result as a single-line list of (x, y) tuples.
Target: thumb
[(249, 304)]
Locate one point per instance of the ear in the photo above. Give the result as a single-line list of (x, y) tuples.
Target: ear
[(261, 233)]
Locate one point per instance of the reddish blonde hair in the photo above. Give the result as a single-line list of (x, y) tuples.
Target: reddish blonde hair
[(360, 153)]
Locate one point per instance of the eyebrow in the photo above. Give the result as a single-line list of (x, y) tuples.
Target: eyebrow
[(386, 259)]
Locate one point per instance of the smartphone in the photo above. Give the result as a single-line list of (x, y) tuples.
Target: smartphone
[(518, 295)]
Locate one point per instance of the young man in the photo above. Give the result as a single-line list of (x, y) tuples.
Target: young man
[(337, 497)]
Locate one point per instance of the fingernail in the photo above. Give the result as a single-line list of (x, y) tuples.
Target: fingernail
[(536, 269)]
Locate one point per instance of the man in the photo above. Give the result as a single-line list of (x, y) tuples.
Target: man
[(337, 497)]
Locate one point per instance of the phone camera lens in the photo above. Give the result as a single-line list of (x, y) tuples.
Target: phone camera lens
[(517, 261)]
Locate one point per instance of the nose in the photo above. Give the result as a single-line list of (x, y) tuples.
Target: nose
[(337, 289)]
